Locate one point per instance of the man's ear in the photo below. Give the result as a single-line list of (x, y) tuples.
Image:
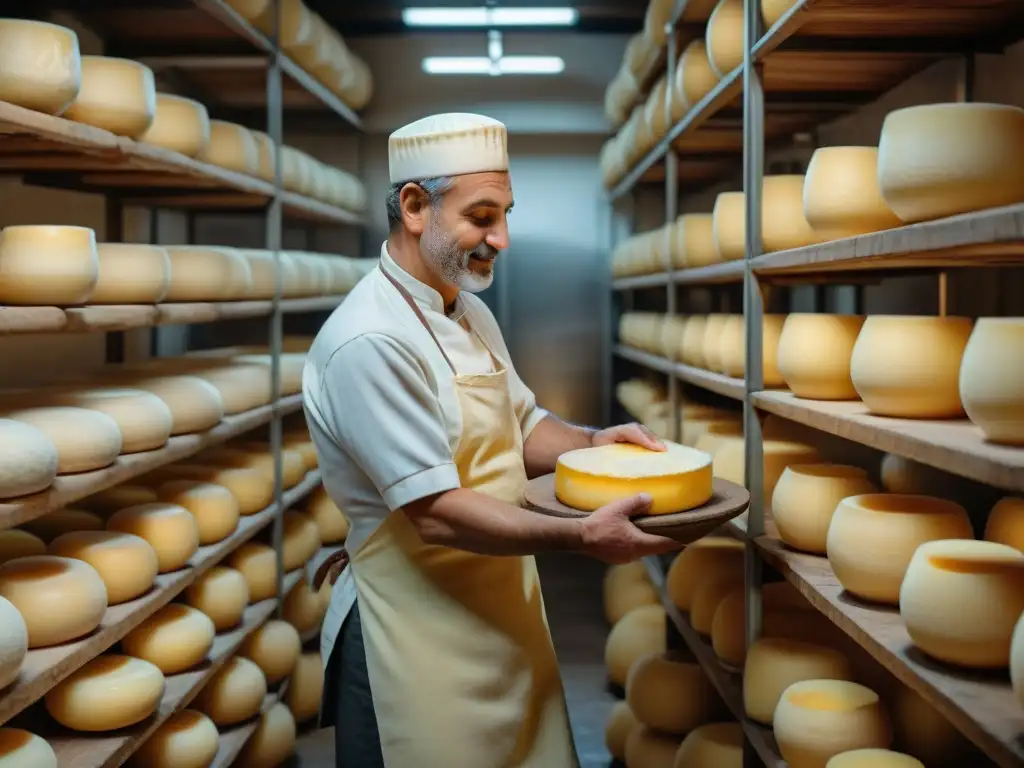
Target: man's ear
[(414, 203)]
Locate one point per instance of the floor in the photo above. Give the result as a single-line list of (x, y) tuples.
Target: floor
[(572, 595)]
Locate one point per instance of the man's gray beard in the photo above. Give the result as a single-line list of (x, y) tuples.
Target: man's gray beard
[(451, 263)]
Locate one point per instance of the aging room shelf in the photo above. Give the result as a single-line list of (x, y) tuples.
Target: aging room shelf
[(983, 707), (726, 272), (69, 488), (713, 382), (728, 684), (103, 318), (42, 669)]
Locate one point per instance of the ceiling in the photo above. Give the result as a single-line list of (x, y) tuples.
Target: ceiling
[(383, 17)]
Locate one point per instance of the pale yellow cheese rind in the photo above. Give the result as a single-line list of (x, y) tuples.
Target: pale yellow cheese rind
[(234, 694), (222, 594), (275, 648), (108, 693), (188, 739), (21, 749), (175, 638), (127, 564)]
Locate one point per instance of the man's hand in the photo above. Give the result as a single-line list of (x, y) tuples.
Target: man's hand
[(610, 536), (634, 433)]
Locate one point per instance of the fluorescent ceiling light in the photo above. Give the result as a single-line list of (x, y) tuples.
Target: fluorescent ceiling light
[(482, 65), (490, 17), (531, 65)]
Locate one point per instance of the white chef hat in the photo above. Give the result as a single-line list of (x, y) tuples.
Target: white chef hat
[(451, 144)]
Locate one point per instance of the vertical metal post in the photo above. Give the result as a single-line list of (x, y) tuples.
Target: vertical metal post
[(964, 93), (154, 239), (671, 212), (114, 226)]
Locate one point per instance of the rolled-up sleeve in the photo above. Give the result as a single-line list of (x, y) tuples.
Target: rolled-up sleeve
[(386, 416)]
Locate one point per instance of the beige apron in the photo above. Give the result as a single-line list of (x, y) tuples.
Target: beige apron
[(459, 655)]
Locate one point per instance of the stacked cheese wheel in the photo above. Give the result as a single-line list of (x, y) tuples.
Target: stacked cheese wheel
[(687, 243)]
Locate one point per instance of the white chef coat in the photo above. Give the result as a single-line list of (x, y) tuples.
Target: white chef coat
[(381, 407)]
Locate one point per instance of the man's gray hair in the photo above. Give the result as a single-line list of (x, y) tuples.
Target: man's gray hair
[(435, 189)]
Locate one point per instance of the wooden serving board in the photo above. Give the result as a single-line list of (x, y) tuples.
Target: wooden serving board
[(727, 501)]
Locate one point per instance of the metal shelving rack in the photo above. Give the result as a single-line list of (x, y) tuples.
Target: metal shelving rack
[(850, 53), (53, 152)]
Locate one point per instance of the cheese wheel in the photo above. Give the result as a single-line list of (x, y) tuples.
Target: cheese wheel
[(992, 365), (637, 634), (670, 695), (258, 457), (233, 147), (13, 647), (621, 723), (28, 459), (234, 694), (1005, 523), (773, 664), (873, 537), (275, 648), (301, 539), (626, 587), (330, 521), (773, 10), (263, 267), (86, 440), (126, 563), (42, 265), (195, 405), (925, 733), (49, 527), (15, 544), (706, 558), (692, 344), (179, 124), (961, 600), (170, 530), (306, 687), (207, 273), (272, 741), (873, 758), (805, 498), (783, 224), (729, 224), (130, 273), (303, 608), (841, 195), (818, 719), (728, 628), (909, 367), (291, 365), (175, 638), (213, 507), (777, 454), (646, 748), (242, 387), (715, 434), (107, 502), (251, 488), (40, 65), (258, 565), (708, 596), (107, 693), (222, 594), (117, 95), (815, 352), (188, 739), (903, 475), (694, 79), (724, 37), (942, 159), (21, 749), (716, 744), (677, 479), (143, 419)]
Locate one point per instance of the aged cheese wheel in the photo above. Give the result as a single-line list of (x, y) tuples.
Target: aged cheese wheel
[(902, 475), (909, 367), (130, 273), (108, 693), (264, 273), (43, 265), (773, 10), (711, 345), (677, 479), (251, 488), (170, 529), (708, 596), (783, 224), (175, 638), (715, 433), (621, 723), (637, 634), (707, 558), (179, 124), (107, 502), (117, 95), (275, 648), (646, 748), (805, 498), (188, 739), (873, 758), (1017, 660), (940, 159), (992, 362), (213, 507), (303, 608), (728, 220), (841, 196), (21, 749), (258, 457), (773, 664), (15, 544), (306, 687), (28, 459), (670, 695), (272, 741), (233, 147), (242, 387), (692, 344), (301, 539), (724, 37), (13, 646), (85, 439), (50, 526), (291, 365), (672, 336), (961, 600), (815, 352), (40, 65), (925, 733), (872, 539), (330, 521), (716, 744), (234, 694), (195, 405), (143, 419), (693, 241), (728, 629), (626, 587), (222, 594), (694, 79), (206, 273), (733, 343), (778, 454), (1005, 523), (258, 564), (818, 719), (302, 444), (126, 563)]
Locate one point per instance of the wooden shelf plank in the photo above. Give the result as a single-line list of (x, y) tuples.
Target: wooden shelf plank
[(728, 684), (42, 669), (80, 750), (646, 359), (713, 382), (726, 272), (69, 488), (982, 706), (954, 446)]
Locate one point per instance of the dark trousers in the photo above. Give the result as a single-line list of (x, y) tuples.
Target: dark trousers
[(348, 702)]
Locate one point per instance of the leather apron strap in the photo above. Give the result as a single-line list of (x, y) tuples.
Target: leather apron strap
[(419, 316)]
